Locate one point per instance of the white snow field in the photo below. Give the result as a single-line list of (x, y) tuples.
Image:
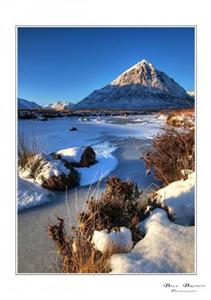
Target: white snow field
[(31, 194), (54, 135), (179, 197), (166, 248)]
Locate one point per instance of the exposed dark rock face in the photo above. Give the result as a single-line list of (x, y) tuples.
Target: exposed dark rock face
[(88, 157)]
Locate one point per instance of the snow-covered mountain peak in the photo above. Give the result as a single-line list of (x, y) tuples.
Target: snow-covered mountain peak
[(60, 105), (143, 73), (141, 86)]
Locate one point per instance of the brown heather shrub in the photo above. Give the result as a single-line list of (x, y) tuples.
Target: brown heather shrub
[(173, 151), (180, 120), (116, 207)]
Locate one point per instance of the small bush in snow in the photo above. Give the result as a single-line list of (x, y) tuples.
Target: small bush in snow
[(180, 120), (117, 207), (115, 213), (172, 152)]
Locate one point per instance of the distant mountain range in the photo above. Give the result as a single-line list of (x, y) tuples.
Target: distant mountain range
[(25, 104), (140, 87), (60, 105)]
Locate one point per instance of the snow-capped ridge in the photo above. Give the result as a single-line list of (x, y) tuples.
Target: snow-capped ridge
[(25, 104), (60, 105)]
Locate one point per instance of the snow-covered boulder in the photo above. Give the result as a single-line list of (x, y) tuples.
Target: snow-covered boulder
[(71, 155), (166, 248), (114, 241), (55, 176), (105, 162), (179, 197), (49, 172), (83, 157)]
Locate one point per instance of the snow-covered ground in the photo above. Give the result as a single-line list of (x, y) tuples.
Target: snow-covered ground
[(166, 248), (31, 194), (55, 136), (179, 197)]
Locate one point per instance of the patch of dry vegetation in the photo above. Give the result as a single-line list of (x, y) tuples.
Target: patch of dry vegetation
[(76, 252), (116, 207), (172, 152), (180, 120), (26, 151)]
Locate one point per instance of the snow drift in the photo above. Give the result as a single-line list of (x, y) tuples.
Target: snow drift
[(179, 197), (166, 248)]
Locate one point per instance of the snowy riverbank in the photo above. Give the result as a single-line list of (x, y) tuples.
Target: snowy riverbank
[(56, 136), (118, 143)]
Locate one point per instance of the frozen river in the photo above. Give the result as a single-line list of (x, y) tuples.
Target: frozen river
[(128, 136)]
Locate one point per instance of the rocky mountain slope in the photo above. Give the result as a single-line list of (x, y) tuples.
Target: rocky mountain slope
[(25, 104), (140, 87)]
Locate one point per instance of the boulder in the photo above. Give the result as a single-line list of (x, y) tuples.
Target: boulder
[(73, 129), (88, 157)]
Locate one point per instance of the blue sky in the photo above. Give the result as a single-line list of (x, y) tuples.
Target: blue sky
[(69, 63)]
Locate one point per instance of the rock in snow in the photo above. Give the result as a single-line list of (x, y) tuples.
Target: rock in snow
[(140, 87), (179, 197), (113, 242), (166, 248)]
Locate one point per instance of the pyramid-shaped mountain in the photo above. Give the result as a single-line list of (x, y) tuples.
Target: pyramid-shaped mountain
[(140, 87)]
